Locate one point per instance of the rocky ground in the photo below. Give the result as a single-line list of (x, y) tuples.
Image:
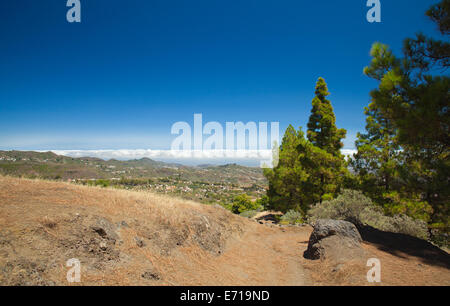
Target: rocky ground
[(137, 238)]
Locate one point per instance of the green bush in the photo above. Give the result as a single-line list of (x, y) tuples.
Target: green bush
[(243, 203), (347, 206), (440, 234), (395, 204), (354, 207), (292, 217), (99, 182)]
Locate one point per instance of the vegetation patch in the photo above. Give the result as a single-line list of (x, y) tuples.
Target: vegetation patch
[(354, 207)]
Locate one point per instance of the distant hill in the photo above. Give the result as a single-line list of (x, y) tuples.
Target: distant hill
[(49, 165)]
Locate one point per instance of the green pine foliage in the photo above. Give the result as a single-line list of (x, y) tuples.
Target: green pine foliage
[(286, 180), (379, 157), (382, 169), (322, 130), (414, 100), (309, 170), (402, 164)]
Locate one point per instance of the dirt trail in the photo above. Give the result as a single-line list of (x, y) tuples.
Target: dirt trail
[(264, 256)]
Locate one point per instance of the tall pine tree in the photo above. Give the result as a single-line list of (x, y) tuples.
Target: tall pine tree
[(378, 159), (322, 130), (382, 169), (328, 173), (309, 171)]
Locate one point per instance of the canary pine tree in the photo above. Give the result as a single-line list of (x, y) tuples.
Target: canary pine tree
[(287, 178), (329, 169), (382, 169), (309, 170), (379, 158), (322, 130), (305, 174), (414, 94)]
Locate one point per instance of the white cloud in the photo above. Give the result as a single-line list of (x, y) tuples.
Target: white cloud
[(348, 152), (164, 154), (181, 155)]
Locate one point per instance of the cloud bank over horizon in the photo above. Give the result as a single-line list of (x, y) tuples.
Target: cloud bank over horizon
[(188, 157)]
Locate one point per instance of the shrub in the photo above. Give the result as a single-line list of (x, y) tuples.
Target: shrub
[(242, 203), (347, 206), (403, 224), (292, 217), (440, 234), (249, 213), (102, 183), (396, 204), (354, 207)]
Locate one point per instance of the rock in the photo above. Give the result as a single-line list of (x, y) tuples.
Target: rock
[(103, 245), (105, 229), (326, 227), (151, 275), (337, 268), (334, 239), (123, 224), (139, 242)]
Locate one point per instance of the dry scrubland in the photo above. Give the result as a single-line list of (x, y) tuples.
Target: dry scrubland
[(139, 238)]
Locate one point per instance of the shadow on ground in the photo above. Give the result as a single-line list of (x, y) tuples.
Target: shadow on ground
[(400, 245), (268, 218)]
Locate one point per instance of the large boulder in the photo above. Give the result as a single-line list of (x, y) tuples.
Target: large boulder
[(334, 239)]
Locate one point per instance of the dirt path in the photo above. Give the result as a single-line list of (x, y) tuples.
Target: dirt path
[(267, 256)]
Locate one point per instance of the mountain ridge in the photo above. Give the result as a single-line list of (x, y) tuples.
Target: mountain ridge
[(53, 166)]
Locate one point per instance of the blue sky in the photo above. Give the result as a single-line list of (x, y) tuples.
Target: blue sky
[(130, 69)]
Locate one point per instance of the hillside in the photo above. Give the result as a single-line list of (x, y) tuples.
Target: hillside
[(205, 183), (139, 238), (49, 165)]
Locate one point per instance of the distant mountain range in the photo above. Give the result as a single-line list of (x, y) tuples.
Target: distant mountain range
[(49, 165)]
